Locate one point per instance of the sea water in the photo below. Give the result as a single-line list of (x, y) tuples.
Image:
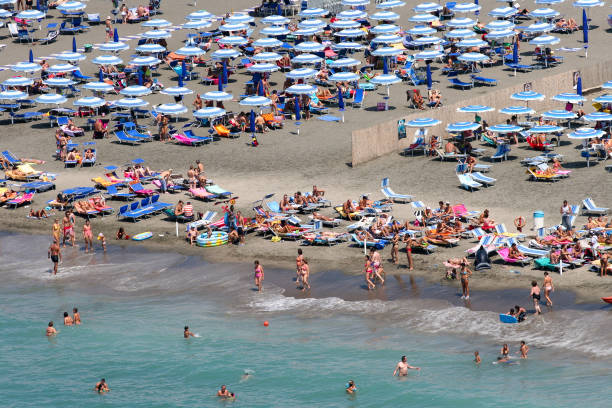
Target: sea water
[(134, 304)]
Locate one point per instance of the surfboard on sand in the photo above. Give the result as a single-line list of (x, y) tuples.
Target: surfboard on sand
[(142, 236)]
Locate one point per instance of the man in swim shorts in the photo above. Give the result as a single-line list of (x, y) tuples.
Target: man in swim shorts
[(401, 369), (224, 392), (55, 254), (187, 333)]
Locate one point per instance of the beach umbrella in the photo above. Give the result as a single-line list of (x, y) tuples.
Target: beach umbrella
[(385, 66), (422, 122), (348, 45), (260, 88), (145, 61), (585, 133), (275, 20), (233, 27), (598, 117), (266, 56), (428, 55), (344, 63), (200, 15), (62, 68), (267, 43), (517, 110), (459, 127), (239, 18), (107, 60), (588, 3), (99, 86), (5, 13), (313, 12), (603, 99), (156, 23), (351, 15), (493, 35), (171, 109), (422, 18), (473, 57), (301, 89), (307, 31), (475, 109), (301, 73), (312, 23), (252, 127), (51, 99), (115, 35), (386, 80), (425, 40), (350, 33), (355, 3), (548, 1), (176, 90), (190, 51), (471, 43), (90, 102), (390, 39), (211, 112), (255, 101), (545, 129), (309, 46), (460, 33), (151, 48), (220, 84), (421, 30), (344, 77), (515, 53), (466, 8), (342, 24), (545, 40), (156, 35), (560, 114), (298, 116), (579, 86), (70, 56), (100, 75), (17, 81), (59, 82), (263, 68), (503, 12), (390, 4), (217, 96), (499, 25), (543, 13), (26, 67), (569, 97), (31, 15), (197, 24), (114, 46), (183, 71), (385, 29), (527, 96), (71, 6), (539, 28), (505, 128), (585, 27), (13, 95), (306, 59), (130, 103), (461, 23), (135, 90), (387, 52), (224, 73), (274, 31), (427, 8), (74, 44), (341, 102), (225, 54)]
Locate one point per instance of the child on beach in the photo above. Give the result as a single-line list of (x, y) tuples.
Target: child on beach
[(102, 240)]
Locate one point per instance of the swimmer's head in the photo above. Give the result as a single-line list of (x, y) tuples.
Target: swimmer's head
[(51, 324), (299, 251), (186, 328), (65, 314), (404, 359), (75, 310)]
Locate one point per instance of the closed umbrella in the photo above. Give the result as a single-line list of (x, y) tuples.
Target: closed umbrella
[(579, 86), (140, 78), (585, 27), (385, 66), (31, 59), (515, 56), (428, 69), (341, 103), (115, 36), (298, 115), (74, 45)]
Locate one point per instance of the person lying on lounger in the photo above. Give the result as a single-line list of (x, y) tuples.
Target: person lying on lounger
[(365, 202), (450, 147), (365, 235), (514, 253), (348, 208), (319, 216), (71, 126), (7, 195), (486, 222)]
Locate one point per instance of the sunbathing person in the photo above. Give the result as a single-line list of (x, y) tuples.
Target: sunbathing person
[(7, 196), (89, 155), (319, 216), (324, 93), (485, 222), (38, 214), (514, 253), (60, 201), (348, 208), (365, 235), (192, 234), (317, 192), (451, 148), (178, 209), (435, 98)]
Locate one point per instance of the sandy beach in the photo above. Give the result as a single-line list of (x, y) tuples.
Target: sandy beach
[(286, 162)]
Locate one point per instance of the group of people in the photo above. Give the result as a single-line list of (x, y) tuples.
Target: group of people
[(75, 319)]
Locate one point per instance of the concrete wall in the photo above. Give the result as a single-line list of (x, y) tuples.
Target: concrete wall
[(381, 139)]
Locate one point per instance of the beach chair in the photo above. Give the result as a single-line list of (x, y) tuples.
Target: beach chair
[(11, 158), (418, 145), (461, 212), (124, 138), (468, 183), (158, 206), (450, 156), (503, 253), (215, 189), (532, 252), (201, 194), (481, 178), (358, 99), (457, 83), (541, 177), (476, 79), (486, 242), (205, 139), (113, 193), (377, 244), (206, 219), (36, 186), (139, 190), (589, 208), (519, 67), (23, 199), (544, 263), (501, 153), (391, 195)]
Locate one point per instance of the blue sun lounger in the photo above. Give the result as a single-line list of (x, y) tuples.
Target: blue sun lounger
[(532, 252), (113, 193), (37, 186), (483, 81), (481, 178), (457, 83), (391, 195), (11, 158), (124, 138)]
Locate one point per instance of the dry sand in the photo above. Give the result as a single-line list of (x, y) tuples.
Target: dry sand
[(286, 162)]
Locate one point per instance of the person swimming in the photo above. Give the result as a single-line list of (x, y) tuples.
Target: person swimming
[(101, 387), (351, 388), (187, 333)]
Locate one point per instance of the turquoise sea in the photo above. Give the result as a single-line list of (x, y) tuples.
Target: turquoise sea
[(134, 304)]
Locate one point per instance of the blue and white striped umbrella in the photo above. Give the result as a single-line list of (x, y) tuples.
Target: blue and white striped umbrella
[(387, 52), (568, 97), (355, 3), (544, 13), (171, 109), (61, 68), (113, 46), (607, 85), (156, 23), (70, 56), (90, 102), (545, 40), (150, 48), (301, 73), (309, 46), (466, 8), (422, 18), (18, 81), (12, 95), (7, 2), (422, 122), (267, 43), (266, 57), (200, 15), (499, 25), (548, 1), (527, 96), (385, 79), (538, 28), (233, 27), (5, 13), (344, 77), (598, 117), (545, 129), (274, 31), (475, 109), (351, 15), (275, 20), (312, 23), (145, 61), (156, 34), (211, 112), (239, 18), (344, 63), (99, 86), (263, 68), (492, 35), (461, 23), (307, 31), (342, 24), (385, 15), (135, 90), (51, 99), (558, 114), (603, 99), (26, 67), (107, 60), (72, 6), (130, 103), (306, 59), (190, 51), (348, 45), (233, 40), (585, 133), (390, 4), (313, 12), (385, 29), (503, 12), (301, 89), (388, 39), (517, 110), (505, 128), (461, 33), (426, 40), (59, 82), (427, 8), (31, 15), (458, 127), (473, 57), (217, 96), (588, 3), (421, 30), (472, 42), (176, 91), (255, 101), (225, 53), (350, 33), (428, 55), (197, 24)]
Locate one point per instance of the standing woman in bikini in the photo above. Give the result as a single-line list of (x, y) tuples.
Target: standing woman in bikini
[(465, 274), (369, 273), (298, 266), (56, 230), (259, 276), (88, 236), (548, 287)]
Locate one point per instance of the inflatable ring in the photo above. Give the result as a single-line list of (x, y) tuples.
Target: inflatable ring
[(519, 222), (217, 238)]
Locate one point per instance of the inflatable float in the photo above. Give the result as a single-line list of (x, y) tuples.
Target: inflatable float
[(217, 238), (142, 236), (607, 299)]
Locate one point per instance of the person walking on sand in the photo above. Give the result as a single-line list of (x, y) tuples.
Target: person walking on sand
[(88, 236), (56, 230), (566, 216), (548, 288), (259, 276), (535, 294), (298, 266), (369, 273), (67, 227), (395, 248), (401, 369), (55, 254)]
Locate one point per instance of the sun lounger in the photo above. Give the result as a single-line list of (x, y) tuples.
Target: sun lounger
[(486, 241), (23, 199), (205, 139), (222, 131), (519, 67), (450, 156), (23, 172), (143, 137), (532, 252), (418, 145), (139, 190), (11, 158), (589, 208), (363, 224), (377, 244), (500, 229), (111, 192), (201, 194), (215, 189), (482, 179), (503, 253), (391, 195), (544, 263), (102, 208), (36, 186), (541, 177), (484, 81), (457, 83), (460, 211), (187, 141), (124, 138), (468, 183), (206, 219), (502, 152)]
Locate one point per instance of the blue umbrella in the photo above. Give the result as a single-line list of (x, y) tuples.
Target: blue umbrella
[(260, 88), (101, 75), (220, 84), (74, 47), (597, 116), (603, 99), (224, 74), (558, 114), (385, 66), (423, 122), (116, 36), (462, 126), (428, 67), (579, 86), (279, 10), (515, 56), (475, 109), (585, 27), (252, 122), (568, 97), (545, 129), (183, 69), (504, 128), (31, 56), (180, 81), (140, 80), (298, 115), (517, 110)]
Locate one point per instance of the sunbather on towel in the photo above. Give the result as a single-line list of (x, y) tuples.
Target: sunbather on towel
[(514, 253), (38, 214), (365, 235)]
